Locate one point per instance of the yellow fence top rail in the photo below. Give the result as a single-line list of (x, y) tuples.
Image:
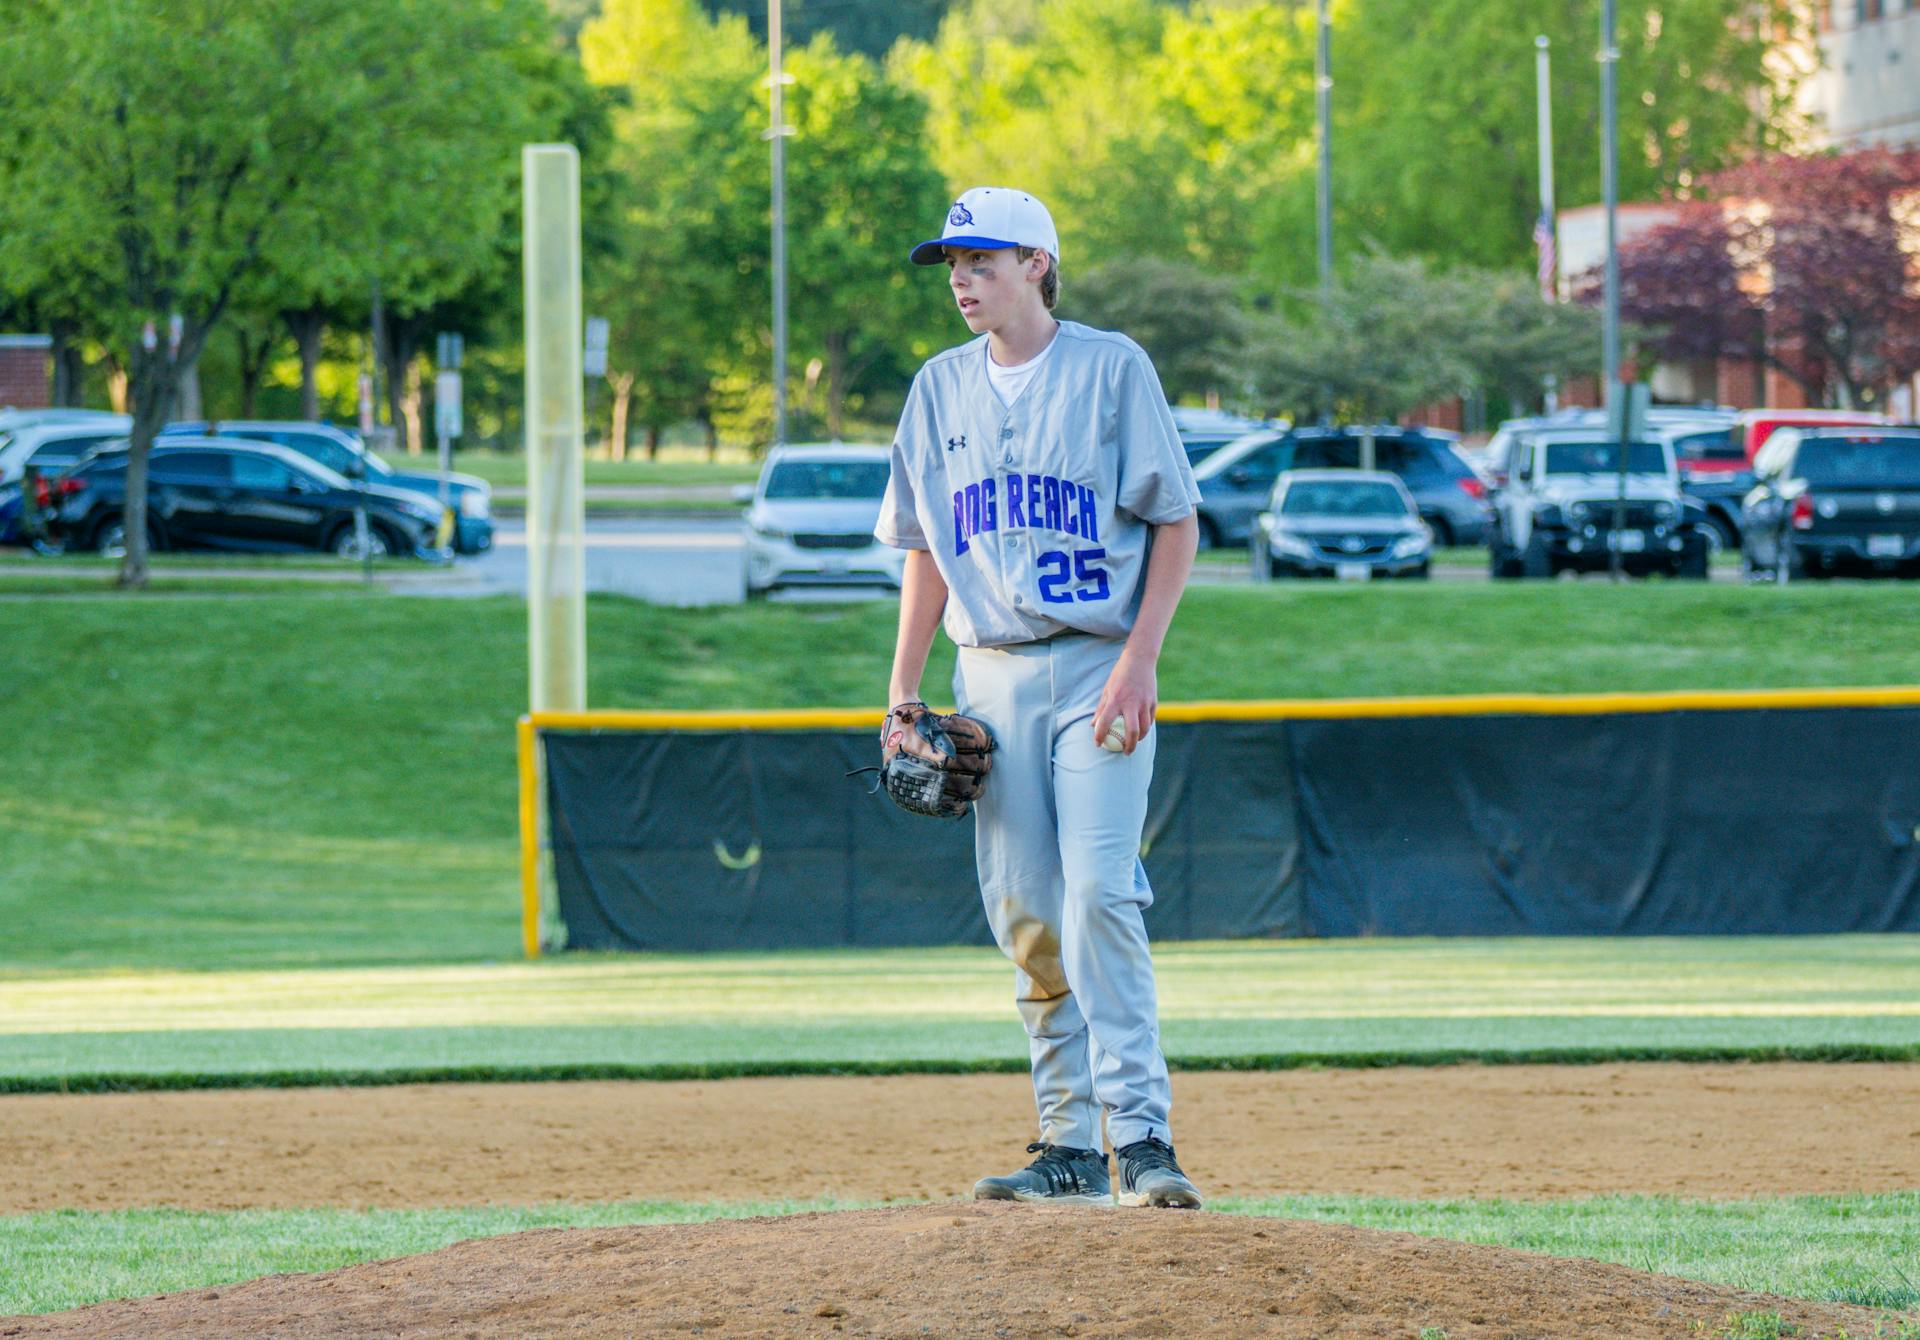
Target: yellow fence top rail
[(1279, 709)]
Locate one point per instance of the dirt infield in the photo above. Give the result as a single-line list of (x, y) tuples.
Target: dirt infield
[(1525, 1131), (957, 1270)]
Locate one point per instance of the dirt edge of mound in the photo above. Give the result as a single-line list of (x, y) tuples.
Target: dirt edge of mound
[(960, 1269)]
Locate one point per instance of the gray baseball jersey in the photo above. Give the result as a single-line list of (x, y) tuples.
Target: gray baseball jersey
[(1037, 513)]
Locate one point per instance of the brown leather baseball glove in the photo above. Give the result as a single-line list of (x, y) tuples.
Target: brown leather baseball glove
[(933, 763)]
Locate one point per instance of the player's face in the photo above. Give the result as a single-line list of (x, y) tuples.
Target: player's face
[(990, 286)]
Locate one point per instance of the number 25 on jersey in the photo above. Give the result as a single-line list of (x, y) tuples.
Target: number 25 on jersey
[(1081, 568)]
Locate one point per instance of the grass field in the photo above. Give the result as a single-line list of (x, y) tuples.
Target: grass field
[(1853, 1249), (269, 838), (305, 779)]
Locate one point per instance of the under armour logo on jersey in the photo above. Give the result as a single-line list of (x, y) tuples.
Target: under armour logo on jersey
[(955, 443), (958, 215)]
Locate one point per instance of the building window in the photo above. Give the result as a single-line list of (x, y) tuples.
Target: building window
[(1868, 10)]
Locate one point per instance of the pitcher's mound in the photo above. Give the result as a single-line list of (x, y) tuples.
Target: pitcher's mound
[(958, 1269)]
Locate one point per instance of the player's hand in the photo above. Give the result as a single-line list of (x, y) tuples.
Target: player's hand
[(1131, 694)]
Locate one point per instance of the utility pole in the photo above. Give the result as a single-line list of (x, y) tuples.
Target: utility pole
[(777, 132), (1323, 185), (1543, 81), (1610, 325), (1323, 113)]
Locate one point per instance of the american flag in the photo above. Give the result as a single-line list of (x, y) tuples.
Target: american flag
[(1546, 270)]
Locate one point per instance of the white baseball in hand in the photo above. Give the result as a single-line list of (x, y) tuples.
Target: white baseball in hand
[(1115, 739)]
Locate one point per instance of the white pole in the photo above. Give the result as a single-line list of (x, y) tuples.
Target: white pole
[(556, 513)]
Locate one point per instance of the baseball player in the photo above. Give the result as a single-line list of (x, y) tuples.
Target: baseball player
[(1047, 508)]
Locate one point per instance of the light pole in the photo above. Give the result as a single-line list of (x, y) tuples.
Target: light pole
[(1544, 229), (1610, 321), (1323, 182), (1323, 115), (777, 132)]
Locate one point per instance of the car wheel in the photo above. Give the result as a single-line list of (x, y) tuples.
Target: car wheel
[(1696, 560), (1442, 531), (1536, 561), (1721, 535), (1209, 534), (1421, 573), (110, 538), (346, 542)]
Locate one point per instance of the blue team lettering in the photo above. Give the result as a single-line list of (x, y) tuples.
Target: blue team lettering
[(1033, 502)]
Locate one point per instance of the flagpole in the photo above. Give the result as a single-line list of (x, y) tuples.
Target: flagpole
[(1548, 224)]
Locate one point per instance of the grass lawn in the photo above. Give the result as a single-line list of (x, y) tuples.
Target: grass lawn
[(321, 778), (1852, 1249)]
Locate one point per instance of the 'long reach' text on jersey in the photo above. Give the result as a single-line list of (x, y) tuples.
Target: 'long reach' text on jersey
[(1037, 513)]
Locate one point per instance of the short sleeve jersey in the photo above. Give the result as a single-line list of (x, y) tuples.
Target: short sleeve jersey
[(1038, 513)]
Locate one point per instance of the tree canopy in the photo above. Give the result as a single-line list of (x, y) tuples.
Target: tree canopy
[(164, 152), (1807, 264)]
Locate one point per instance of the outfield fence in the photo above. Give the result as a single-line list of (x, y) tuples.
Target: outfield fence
[(1636, 813)]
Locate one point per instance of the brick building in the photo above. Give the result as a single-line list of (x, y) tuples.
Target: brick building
[(26, 371)]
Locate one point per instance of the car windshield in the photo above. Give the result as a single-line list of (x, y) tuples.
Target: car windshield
[(1882, 463), (828, 479), (1715, 444), (1313, 497), (1593, 458)]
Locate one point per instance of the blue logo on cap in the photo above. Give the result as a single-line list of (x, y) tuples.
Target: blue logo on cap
[(957, 216)]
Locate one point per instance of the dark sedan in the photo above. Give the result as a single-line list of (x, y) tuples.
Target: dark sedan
[(1828, 501), (205, 493), (1355, 525), (342, 451)]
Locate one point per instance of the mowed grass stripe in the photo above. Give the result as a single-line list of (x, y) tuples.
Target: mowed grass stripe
[(1856, 1249), (1847, 976), (1246, 1004)]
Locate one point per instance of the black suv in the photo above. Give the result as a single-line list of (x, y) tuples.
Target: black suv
[(204, 493), (1833, 500)]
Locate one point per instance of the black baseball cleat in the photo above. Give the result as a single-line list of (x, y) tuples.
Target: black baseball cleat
[(1062, 1175), (1150, 1176)]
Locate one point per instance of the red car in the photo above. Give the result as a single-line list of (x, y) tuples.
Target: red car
[(1751, 429)]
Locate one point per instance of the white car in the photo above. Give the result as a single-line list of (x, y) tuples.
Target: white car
[(1566, 491), (50, 442), (811, 517)]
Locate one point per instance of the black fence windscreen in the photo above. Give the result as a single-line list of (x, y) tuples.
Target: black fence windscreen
[(1690, 822)]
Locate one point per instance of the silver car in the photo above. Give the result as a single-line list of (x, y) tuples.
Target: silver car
[(810, 519)]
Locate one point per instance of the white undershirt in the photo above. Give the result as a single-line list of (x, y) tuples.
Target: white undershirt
[(1008, 383)]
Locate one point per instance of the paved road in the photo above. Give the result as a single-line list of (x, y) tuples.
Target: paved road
[(700, 561)]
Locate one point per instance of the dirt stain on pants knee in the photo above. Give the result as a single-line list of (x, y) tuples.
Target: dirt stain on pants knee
[(1035, 949)]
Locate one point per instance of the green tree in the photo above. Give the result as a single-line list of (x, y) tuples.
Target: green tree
[(1434, 124), (1394, 334), (683, 283), (861, 191), (1191, 323), (166, 150), (1048, 95)]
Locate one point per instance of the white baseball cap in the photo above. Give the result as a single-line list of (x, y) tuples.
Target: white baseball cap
[(993, 218)]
